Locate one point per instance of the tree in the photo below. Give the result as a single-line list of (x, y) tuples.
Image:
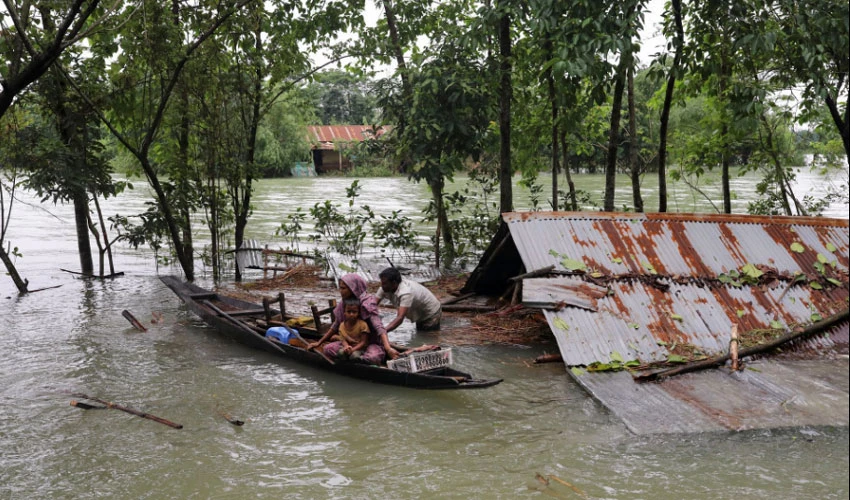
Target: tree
[(29, 50), (342, 98), (810, 41), (449, 121), (145, 75), (678, 40)]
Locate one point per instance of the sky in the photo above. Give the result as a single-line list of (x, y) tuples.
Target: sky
[(652, 41)]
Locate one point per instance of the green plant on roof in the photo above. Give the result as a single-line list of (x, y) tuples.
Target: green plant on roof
[(776, 325), (677, 317), (572, 264), (831, 247), (560, 324), (819, 267), (646, 265), (741, 313), (814, 285), (578, 372), (617, 260), (675, 358), (751, 274), (797, 247), (554, 253)]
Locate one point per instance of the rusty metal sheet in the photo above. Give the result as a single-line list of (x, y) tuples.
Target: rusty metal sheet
[(773, 394), (662, 271)]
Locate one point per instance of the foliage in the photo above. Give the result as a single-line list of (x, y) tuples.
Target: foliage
[(473, 216), (343, 230), (396, 234), (341, 98)]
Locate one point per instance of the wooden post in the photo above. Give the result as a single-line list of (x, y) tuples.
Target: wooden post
[(267, 308), (266, 262), (281, 298), (332, 305), (733, 348)]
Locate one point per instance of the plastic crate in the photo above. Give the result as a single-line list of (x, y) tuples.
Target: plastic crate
[(422, 361)]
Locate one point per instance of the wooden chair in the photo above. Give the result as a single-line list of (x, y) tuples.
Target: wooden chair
[(318, 313)]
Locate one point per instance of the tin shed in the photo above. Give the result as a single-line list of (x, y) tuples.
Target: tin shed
[(648, 290)]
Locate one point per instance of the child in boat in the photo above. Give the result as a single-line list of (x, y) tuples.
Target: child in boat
[(353, 334)]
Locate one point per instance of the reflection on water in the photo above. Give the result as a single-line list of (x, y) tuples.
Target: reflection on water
[(309, 434)]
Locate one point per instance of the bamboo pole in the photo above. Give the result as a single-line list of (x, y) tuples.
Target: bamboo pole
[(733, 348), (812, 329)]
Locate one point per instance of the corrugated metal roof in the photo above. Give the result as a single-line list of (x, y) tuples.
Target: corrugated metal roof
[(662, 271), (324, 136), (369, 268), (637, 286)]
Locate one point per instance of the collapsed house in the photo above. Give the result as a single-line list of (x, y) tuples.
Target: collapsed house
[(629, 295)]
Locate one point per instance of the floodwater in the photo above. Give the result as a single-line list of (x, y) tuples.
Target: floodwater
[(309, 434)]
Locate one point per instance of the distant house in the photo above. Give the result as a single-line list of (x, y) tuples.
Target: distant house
[(329, 144)]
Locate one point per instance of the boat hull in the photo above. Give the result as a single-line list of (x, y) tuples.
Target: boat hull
[(242, 327)]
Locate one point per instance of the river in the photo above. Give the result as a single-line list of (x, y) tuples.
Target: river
[(309, 434)]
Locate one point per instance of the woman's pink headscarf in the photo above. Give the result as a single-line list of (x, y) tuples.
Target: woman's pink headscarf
[(368, 302)]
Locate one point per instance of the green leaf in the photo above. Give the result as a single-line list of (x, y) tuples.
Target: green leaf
[(578, 372), (752, 271), (632, 363), (741, 313), (822, 258), (616, 357), (634, 325), (819, 267), (572, 264), (815, 285), (834, 281), (776, 325), (816, 317), (677, 317), (797, 247), (648, 267), (561, 324), (724, 278), (553, 253), (675, 358), (831, 247), (661, 342), (617, 260)]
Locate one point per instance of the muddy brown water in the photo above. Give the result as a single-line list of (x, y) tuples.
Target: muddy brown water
[(310, 434)]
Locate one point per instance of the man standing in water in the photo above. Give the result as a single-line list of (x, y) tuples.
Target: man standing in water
[(414, 301)]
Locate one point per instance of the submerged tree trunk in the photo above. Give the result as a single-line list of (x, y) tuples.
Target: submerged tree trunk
[(665, 109), (550, 80), (614, 136), (505, 96), (634, 168), (20, 284), (571, 187), (442, 220), (81, 218)]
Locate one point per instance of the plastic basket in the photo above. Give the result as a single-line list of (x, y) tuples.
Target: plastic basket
[(422, 361)]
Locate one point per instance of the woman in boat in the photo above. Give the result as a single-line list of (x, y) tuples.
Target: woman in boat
[(354, 286)]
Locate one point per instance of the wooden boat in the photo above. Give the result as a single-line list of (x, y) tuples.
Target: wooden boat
[(247, 322)]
